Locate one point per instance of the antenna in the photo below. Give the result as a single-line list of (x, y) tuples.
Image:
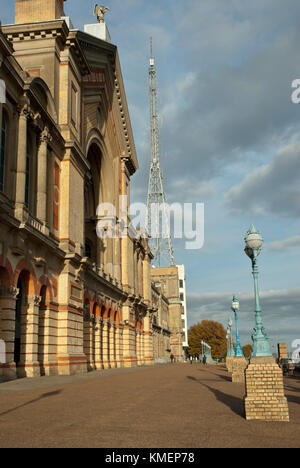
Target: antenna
[(157, 216)]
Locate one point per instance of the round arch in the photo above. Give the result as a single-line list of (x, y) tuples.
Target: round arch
[(40, 88)]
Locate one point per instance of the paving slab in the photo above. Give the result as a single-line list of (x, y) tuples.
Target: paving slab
[(169, 406)]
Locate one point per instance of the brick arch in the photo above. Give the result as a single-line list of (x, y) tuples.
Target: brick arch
[(87, 301), (102, 309), (22, 267), (8, 268), (107, 310), (44, 282), (96, 309), (4, 277)]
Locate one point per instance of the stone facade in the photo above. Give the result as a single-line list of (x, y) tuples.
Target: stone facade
[(69, 301), (160, 326), (282, 351), (265, 398), (167, 279)]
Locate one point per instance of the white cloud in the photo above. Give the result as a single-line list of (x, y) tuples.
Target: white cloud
[(272, 188), (287, 244)]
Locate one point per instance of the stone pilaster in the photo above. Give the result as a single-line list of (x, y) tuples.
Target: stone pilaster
[(112, 354), (106, 344), (120, 346), (41, 207), (265, 399), (21, 163), (239, 365), (98, 344), (29, 365), (47, 341), (148, 341), (8, 297)]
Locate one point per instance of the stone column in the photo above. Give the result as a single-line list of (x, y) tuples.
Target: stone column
[(239, 365), (138, 347), (149, 360), (41, 208), (8, 297), (29, 365), (120, 362), (106, 352), (47, 341), (98, 344), (112, 337), (265, 399), (21, 163), (92, 345)]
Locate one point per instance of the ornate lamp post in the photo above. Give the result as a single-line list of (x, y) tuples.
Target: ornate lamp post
[(235, 308), (254, 242), (264, 397)]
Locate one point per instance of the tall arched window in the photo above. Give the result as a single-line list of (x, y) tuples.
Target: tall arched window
[(3, 150)]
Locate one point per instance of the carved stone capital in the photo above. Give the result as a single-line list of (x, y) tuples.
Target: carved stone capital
[(45, 136), (34, 300), (9, 292)]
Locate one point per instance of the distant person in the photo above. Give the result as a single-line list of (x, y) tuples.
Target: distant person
[(172, 358), (204, 360)]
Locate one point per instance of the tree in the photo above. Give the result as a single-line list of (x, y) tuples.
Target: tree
[(212, 333), (247, 350)]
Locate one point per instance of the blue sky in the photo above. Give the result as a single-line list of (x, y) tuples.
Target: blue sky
[(229, 138)]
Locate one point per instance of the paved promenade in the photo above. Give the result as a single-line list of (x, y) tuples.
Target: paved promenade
[(172, 406)]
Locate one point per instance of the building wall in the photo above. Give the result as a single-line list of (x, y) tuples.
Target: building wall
[(167, 279), (69, 301)]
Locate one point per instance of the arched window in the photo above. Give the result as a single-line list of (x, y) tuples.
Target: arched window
[(3, 150)]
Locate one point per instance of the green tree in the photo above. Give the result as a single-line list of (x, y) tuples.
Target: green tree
[(247, 350), (213, 333)]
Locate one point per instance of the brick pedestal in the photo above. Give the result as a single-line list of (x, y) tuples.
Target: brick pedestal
[(239, 365), (265, 398), (229, 362)]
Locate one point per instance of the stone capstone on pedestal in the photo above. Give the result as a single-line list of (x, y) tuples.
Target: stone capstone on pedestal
[(265, 399), (239, 364), (229, 362)]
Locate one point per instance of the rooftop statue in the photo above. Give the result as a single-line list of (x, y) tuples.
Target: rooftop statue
[(100, 12)]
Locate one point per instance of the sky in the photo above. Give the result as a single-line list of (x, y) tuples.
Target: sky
[(229, 138)]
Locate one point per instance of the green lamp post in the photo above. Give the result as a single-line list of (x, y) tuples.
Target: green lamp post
[(238, 347), (254, 242)]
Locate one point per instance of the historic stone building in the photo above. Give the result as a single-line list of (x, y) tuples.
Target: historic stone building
[(168, 281), (160, 326), (69, 300)]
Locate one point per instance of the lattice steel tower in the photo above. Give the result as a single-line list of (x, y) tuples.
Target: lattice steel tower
[(157, 216)]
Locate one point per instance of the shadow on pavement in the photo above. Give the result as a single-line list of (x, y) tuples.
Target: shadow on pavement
[(45, 395), (234, 403)]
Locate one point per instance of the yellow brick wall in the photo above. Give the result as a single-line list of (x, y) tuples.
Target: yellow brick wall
[(28, 11)]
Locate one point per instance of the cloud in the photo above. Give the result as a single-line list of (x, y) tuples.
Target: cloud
[(285, 245), (271, 188), (281, 312)]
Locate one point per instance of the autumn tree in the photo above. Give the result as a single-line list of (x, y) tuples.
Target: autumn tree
[(212, 333), (247, 350)]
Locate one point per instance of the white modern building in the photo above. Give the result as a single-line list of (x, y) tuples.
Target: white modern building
[(182, 291)]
